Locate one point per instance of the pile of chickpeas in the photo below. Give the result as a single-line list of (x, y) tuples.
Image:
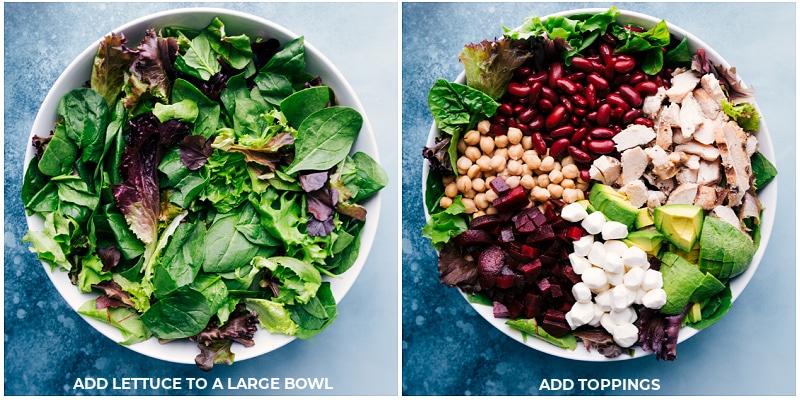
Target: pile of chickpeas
[(483, 157)]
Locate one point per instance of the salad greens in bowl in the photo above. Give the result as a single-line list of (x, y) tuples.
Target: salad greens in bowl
[(599, 184), (202, 185)]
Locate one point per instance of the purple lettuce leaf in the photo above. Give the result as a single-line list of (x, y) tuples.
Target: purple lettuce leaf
[(217, 352), (110, 63), (658, 333), (151, 70), (113, 296), (195, 151)]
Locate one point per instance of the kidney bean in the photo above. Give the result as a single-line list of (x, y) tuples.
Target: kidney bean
[(577, 77), (522, 72), (579, 111), (631, 115), (599, 82), (597, 66), (621, 80), (624, 64), (609, 38), (637, 78), (591, 116), (527, 115), (538, 143), (537, 77), (562, 131), (535, 93), (579, 156), (601, 133), (615, 100), (630, 95), (549, 94), (505, 110), (512, 123), (565, 101), (522, 100), (603, 114), (585, 176), (646, 88), (601, 146), (545, 105), (518, 89), (556, 116), (558, 147), (556, 72), (566, 85), (579, 135), (498, 129), (581, 64), (644, 121), (591, 96), (497, 119), (579, 101), (525, 129), (617, 113), (606, 53)]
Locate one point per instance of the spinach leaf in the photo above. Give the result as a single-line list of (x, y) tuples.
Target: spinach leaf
[(125, 319), (314, 316), (363, 176), (59, 155), (299, 105), (182, 258), (234, 50), (434, 190), (288, 61), (273, 87), (187, 184), (325, 138), (345, 250), (85, 114), (183, 313), (200, 60), (207, 110), (226, 247), (763, 170)]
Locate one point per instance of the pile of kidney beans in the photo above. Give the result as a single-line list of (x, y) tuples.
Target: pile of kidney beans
[(576, 110)]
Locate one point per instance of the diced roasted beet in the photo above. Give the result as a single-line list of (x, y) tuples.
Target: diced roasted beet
[(532, 270), (499, 186), (490, 263), (544, 233), (533, 305), (569, 274), (525, 220), (544, 286), (514, 199), (554, 250), (564, 305), (515, 308), (529, 251), (499, 310), (555, 315), (507, 234), (555, 328), (504, 281), (473, 237), (486, 222), (556, 293), (547, 261), (575, 233)]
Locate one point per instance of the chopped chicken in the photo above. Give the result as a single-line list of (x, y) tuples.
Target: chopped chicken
[(634, 135), (655, 198), (708, 173), (636, 192), (726, 214), (664, 185), (664, 166), (706, 197), (751, 207), (652, 104), (685, 193), (674, 114), (731, 143), (691, 161), (605, 169), (664, 129), (705, 132), (711, 85), (634, 162), (682, 83), (709, 106), (751, 147), (706, 152), (690, 115), (686, 175)]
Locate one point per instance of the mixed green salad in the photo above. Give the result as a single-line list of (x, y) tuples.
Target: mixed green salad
[(595, 181), (203, 186)]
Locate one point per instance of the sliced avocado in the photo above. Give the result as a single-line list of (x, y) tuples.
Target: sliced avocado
[(648, 240), (680, 224), (725, 251), (691, 256), (643, 218), (695, 313), (613, 205), (681, 279), (707, 287), (588, 206)]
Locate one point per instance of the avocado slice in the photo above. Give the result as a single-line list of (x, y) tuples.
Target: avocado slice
[(725, 251), (649, 240), (588, 206), (681, 280), (643, 218), (707, 287), (680, 224), (613, 205)]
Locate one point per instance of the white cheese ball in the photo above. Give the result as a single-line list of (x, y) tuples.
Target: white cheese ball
[(579, 264), (614, 230), (597, 254), (626, 334), (652, 280), (617, 247), (613, 264), (655, 299), (604, 300), (581, 293), (608, 323), (593, 224), (635, 257), (598, 313), (574, 212), (633, 278), (583, 245), (582, 313), (595, 279)]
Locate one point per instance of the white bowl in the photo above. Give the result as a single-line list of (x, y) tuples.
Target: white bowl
[(184, 351), (768, 197)]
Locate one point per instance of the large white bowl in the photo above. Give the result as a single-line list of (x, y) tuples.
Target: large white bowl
[(768, 197), (78, 72)]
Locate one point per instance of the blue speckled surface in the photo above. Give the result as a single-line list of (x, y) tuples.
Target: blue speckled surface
[(449, 350), (47, 346)]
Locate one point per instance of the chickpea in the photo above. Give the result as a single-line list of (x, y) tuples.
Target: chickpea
[(528, 182), (464, 184), (540, 194), (478, 213), (515, 151), (451, 190), (526, 170), (532, 160), (557, 166), (567, 161), (512, 181), (445, 202), (472, 137), (583, 186), (556, 176), (514, 167), (483, 163), (514, 135), (469, 205), (480, 201), (470, 194), (501, 141), (498, 163), (570, 171), (478, 184), (448, 179), (542, 180), (501, 152), (568, 184), (487, 145), (555, 190), (491, 211), (474, 171), (484, 126), (490, 195), (570, 195), (463, 163), (473, 153), (548, 163), (527, 142), (461, 146)]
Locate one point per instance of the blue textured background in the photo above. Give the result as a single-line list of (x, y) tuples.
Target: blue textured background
[(449, 350), (48, 346)]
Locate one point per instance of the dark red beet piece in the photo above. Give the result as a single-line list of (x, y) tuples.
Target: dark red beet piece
[(515, 199), (528, 251), (472, 237), (499, 186), (544, 233), (504, 281), (499, 310), (486, 222), (507, 234), (525, 221), (514, 309), (490, 263), (544, 286), (533, 305), (555, 328), (532, 270)]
